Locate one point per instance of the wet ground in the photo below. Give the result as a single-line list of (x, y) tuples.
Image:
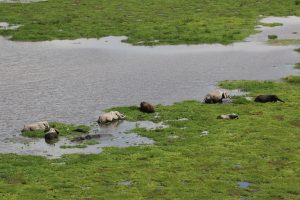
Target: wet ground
[(73, 80), (111, 135)]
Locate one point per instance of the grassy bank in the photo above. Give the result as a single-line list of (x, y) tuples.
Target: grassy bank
[(144, 22), (262, 148)]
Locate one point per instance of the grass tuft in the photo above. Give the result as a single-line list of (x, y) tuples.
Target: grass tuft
[(271, 24), (297, 66), (82, 145), (293, 79), (284, 41), (272, 37)]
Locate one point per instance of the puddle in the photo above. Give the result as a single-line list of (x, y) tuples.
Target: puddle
[(7, 26), (243, 184), (236, 92), (128, 183), (64, 80), (148, 125), (109, 136), (289, 30)]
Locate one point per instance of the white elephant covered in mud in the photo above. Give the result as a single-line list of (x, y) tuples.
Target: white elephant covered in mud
[(216, 97), (110, 116), (36, 126)]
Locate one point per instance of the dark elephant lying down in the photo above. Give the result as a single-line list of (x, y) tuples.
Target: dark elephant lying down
[(267, 98)]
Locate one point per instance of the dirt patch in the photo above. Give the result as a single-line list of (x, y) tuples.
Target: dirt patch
[(257, 113), (295, 122), (279, 117)]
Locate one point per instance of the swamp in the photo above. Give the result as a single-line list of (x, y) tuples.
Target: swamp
[(69, 61)]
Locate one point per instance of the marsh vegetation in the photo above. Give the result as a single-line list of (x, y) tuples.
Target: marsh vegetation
[(261, 149), (144, 22)]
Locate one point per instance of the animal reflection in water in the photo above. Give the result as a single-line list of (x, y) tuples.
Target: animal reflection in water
[(113, 124), (110, 125)]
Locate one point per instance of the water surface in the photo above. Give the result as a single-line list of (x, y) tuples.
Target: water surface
[(73, 80)]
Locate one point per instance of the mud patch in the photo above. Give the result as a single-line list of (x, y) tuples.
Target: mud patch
[(279, 117), (295, 123), (256, 113)]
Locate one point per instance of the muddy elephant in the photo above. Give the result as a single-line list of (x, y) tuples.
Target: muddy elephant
[(216, 97), (36, 126), (110, 116), (147, 107), (52, 134)]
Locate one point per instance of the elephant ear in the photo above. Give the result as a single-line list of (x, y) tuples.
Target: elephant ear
[(46, 126), (223, 95)]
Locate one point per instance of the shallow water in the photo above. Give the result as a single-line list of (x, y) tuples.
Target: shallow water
[(73, 80), (243, 184), (7, 26), (112, 135)]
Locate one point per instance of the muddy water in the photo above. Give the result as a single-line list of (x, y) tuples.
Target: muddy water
[(113, 135), (73, 80)]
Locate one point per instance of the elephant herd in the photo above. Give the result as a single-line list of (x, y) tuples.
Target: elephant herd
[(146, 107)]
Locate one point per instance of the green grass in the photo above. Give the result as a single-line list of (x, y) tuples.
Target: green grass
[(272, 37), (283, 41), (64, 130), (145, 22), (80, 146), (262, 147), (297, 66), (293, 79), (297, 50), (271, 24)]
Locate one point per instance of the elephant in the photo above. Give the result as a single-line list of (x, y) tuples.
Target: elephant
[(110, 116), (52, 134), (228, 116), (36, 126), (147, 107), (267, 98), (215, 97)]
